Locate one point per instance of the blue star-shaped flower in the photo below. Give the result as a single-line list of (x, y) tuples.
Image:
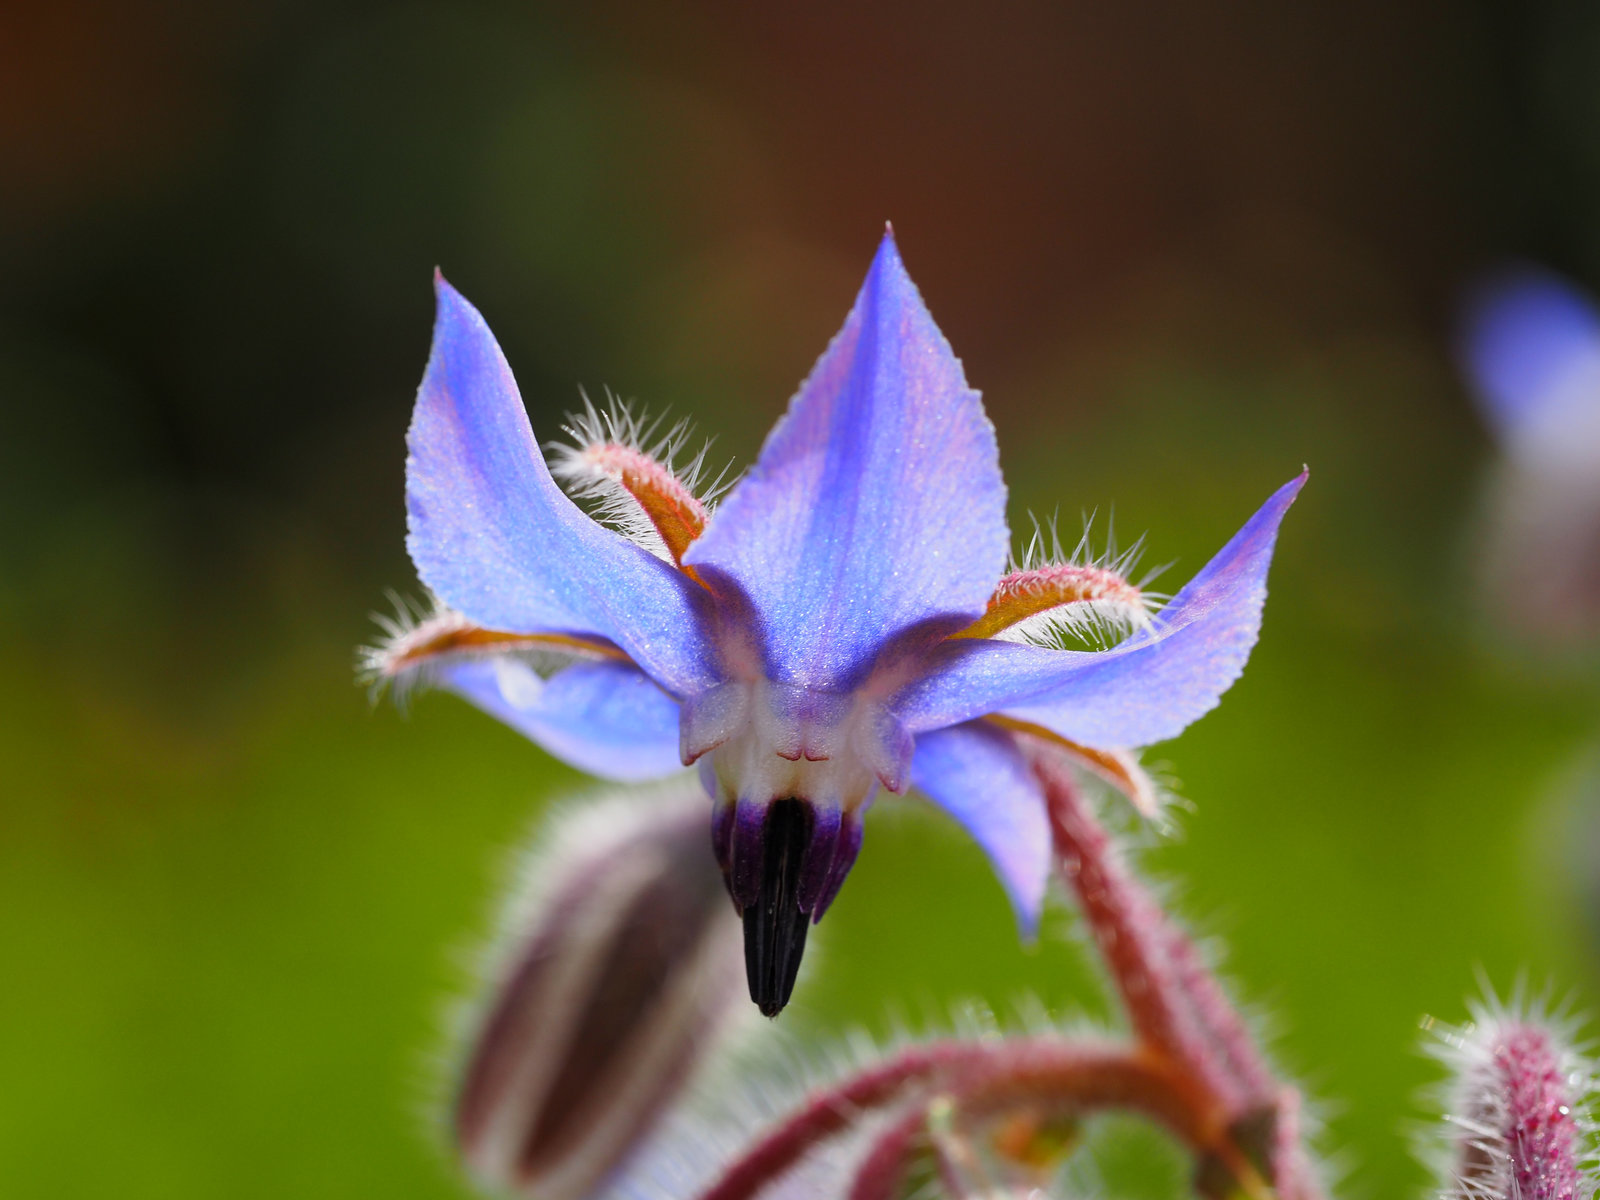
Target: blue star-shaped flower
[(843, 620)]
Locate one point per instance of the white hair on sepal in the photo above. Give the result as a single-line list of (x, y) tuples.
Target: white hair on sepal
[(1095, 623), (1045, 548), (581, 468), (1136, 829), (1080, 624), (413, 622), (400, 665), (1473, 1099)]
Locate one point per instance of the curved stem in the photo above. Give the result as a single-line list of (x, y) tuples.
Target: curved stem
[(1133, 933), (829, 1111), (1174, 1002), (981, 1078), (884, 1169)]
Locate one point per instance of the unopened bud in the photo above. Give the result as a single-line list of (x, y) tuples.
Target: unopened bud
[(1516, 1109), (616, 978)]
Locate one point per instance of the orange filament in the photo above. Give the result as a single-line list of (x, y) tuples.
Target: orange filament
[(674, 510), (1024, 594)]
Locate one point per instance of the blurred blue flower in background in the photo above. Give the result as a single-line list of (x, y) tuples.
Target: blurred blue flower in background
[(1530, 344), (843, 620)]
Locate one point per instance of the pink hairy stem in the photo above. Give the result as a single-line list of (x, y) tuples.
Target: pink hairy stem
[(1291, 1166), (883, 1171), (832, 1110), (1134, 935), (981, 1079), (1174, 1002), (1220, 1022), (1065, 1078)]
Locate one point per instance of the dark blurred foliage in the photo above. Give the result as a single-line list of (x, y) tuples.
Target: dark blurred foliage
[(1181, 248)]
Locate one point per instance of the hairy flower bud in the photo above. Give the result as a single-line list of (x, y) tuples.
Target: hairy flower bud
[(1516, 1105), (619, 969)]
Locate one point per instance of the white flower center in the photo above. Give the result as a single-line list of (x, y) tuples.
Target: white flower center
[(768, 741)]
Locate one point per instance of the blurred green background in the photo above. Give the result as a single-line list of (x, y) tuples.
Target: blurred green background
[(1181, 249)]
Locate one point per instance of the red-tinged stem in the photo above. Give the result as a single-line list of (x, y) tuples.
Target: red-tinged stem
[(981, 1079), (1291, 1167), (1175, 1004), (1064, 1078), (1073, 1079), (1133, 933), (883, 1171), (1215, 1014), (832, 1110)]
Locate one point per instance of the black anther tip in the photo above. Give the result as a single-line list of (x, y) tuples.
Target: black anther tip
[(774, 925)]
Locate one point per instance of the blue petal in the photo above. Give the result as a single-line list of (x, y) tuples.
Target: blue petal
[(1145, 690), (877, 504), (493, 535), (1528, 340), (605, 718), (976, 774)]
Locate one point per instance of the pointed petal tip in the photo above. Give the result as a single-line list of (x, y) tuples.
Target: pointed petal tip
[(447, 300), (888, 256), (1281, 499)]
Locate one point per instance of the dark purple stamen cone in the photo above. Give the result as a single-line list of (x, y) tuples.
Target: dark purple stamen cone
[(775, 924)]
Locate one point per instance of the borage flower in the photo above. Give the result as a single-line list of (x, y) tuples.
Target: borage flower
[(839, 624)]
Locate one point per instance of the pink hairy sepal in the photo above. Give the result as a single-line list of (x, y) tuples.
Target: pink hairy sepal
[(1524, 1131), (670, 504), (1035, 590)]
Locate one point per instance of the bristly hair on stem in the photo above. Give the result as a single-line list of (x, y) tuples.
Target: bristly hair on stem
[(1177, 1007)]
